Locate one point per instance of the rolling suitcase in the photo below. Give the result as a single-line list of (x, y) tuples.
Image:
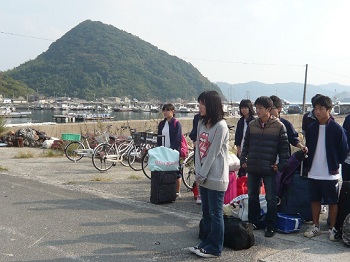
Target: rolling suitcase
[(163, 186), (343, 204), (296, 198)]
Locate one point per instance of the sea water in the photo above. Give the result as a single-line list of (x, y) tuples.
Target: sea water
[(41, 116)]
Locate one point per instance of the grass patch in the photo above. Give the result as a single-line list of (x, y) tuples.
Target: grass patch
[(24, 154), (135, 177), (52, 153), (72, 182), (101, 179), (3, 168)]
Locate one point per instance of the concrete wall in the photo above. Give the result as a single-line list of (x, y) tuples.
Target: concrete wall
[(140, 125)]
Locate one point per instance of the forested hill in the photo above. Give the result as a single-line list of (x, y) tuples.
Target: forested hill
[(95, 59)]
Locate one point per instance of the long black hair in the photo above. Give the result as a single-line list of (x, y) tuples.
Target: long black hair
[(212, 101)]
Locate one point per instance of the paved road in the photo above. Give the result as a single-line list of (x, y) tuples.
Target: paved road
[(56, 210)]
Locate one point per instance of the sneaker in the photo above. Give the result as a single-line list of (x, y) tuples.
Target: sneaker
[(333, 234), (203, 253), (269, 232), (193, 249), (198, 200), (312, 231), (324, 209), (178, 194)]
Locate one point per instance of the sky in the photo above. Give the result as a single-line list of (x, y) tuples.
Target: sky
[(232, 41)]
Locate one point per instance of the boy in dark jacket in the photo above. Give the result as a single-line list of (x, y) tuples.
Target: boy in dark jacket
[(328, 147), (265, 141)]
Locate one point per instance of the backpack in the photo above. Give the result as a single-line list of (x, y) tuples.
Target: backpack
[(346, 231), (184, 145), (238, 235)]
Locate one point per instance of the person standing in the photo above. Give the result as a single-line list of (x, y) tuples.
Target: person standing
[(193, 136), (328, 147), (247, 114), (346, 165), (265, 139), (212, 172), (170, 135), (293, 136)]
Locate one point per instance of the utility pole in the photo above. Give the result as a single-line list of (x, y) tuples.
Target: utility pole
[(304, 95)]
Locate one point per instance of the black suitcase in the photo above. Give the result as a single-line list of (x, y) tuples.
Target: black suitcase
[(296, 198), (163, 186), (343, 204)]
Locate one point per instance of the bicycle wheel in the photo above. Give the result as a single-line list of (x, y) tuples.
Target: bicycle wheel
[(188, 171), (134, 158), (124, 150), (100, 157), (72, 151), (144, 165)]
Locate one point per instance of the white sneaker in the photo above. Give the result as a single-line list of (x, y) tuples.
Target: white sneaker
[(312, 231), (324, 209), (332, 234), (178, 194), (198, 200)]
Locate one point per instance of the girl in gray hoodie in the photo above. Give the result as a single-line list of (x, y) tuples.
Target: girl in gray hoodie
[(212, 172)]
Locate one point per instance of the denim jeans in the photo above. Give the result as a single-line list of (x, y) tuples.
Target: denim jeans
[(213, 220), (254, 183)]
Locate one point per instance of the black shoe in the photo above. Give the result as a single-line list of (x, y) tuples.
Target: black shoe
[(269, 232)]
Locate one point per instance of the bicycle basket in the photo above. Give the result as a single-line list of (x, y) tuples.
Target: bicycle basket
[(101, 138), (136, 136)]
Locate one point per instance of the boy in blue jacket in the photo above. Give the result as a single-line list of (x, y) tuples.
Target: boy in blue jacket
[(327, 145)]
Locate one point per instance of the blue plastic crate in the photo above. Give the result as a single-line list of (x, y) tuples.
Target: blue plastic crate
[(288, 223)]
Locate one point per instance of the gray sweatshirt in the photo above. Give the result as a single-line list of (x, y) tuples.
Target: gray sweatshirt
[(211, 156)]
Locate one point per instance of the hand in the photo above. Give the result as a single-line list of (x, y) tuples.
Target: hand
[(244, 165), (275, 167), (305, 149)]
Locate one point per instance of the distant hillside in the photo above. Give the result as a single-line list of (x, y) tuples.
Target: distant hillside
[(11, 88), (98, 60), (292, 92)]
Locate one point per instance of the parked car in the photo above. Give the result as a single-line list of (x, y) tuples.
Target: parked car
[(294, 109)]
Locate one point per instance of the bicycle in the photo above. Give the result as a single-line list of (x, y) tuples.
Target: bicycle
[(143, 141), (76, 150), (107, 155)]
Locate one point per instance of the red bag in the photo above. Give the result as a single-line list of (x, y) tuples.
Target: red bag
[(242, 186), (195, 190), (231, 191), (184, 145)]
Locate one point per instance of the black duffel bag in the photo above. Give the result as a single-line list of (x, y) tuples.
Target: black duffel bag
[(238, 234)]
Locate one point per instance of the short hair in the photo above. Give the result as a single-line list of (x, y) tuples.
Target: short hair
[(264, 101), (168, 107), (212, 101), (277, 102), (246, 103), (323, 101), (313, 99)]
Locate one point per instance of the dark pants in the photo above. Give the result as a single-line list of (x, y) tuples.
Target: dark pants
[(254, 184), (345, 172)]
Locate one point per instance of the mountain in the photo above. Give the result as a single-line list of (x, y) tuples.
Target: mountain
[(98, 60), (12, 88), (292, 92)]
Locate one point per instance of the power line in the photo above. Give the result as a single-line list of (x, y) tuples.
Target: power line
[(28, 36), (237, 62), (329, 72)]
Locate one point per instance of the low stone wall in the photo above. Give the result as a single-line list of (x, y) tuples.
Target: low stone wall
[(140, 125)]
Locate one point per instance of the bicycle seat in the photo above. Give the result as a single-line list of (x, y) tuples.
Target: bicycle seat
[(84, 136)]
